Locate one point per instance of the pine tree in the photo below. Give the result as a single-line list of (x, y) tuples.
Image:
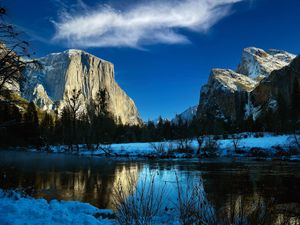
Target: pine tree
[(31, 122), (65, 126), (47, 127)]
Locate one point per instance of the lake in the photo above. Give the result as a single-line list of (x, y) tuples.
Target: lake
[(226, 182)]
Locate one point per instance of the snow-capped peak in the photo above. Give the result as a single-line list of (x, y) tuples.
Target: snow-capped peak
[(257, 63)]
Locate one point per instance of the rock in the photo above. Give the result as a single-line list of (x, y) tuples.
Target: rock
[(279, 82), (76, 69), (223, 96), (257, 63), (186, 116), (229, 95)]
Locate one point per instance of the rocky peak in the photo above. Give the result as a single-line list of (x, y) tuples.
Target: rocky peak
[(257, 63), (220, 97), (226, 96), (186, 116), (79, 70), (41, 98)]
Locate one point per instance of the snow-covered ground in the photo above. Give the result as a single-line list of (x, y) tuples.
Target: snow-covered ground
[(16, 209), (267, 142)]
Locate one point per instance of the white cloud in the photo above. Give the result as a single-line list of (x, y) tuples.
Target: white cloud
[(139, 25)]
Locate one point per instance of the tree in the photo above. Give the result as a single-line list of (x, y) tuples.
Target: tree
[(102, 99), (47, 127), (236, 139), (10, 124), (13, 51), (102, 121), (73, 107), (31, 123), (64, 126)]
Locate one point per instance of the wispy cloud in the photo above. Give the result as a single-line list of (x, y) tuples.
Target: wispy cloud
[(139, 25)]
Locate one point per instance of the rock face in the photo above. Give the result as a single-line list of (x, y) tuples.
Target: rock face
[(228, 94), (222, 96), (75, 69), (278, 83), (257, 63), (186, 116)]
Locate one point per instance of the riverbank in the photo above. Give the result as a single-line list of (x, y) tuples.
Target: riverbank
[(240, 145), (16, 208), (259, 145)]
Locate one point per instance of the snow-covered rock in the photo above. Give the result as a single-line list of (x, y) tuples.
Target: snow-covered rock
[(257, 63), (187, 116), (75, 69), (232, 81)]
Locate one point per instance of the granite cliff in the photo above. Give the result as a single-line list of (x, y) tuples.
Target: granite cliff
[(75, 69), (233, 96)]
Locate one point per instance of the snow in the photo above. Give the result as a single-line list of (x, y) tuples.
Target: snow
[(257, 62), (145, 149), (266, 142), (16, 209), (233, 81)]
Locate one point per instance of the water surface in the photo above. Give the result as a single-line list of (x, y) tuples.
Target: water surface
[(91, 179)]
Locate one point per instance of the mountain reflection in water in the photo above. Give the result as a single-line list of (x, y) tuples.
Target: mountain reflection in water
[(230, 186)]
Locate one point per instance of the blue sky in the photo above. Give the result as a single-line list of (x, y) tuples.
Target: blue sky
[(163, 50)]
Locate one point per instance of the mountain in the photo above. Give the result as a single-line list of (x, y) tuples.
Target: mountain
[(186, 116), (257, 63), (75, 69), (278, 86), (228, 94), (222, 96)]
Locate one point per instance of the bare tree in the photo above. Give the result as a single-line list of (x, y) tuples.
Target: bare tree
[(138, 202), (184, 145), (236, 139), (14, 55), (158, 147), (192, 204), (211, 147), (294, 142), (200, 141)]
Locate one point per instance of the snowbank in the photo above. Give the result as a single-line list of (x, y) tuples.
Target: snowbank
[(16, 209), (225, 147)]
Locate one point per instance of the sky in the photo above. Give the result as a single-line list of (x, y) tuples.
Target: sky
[(163, 50)]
